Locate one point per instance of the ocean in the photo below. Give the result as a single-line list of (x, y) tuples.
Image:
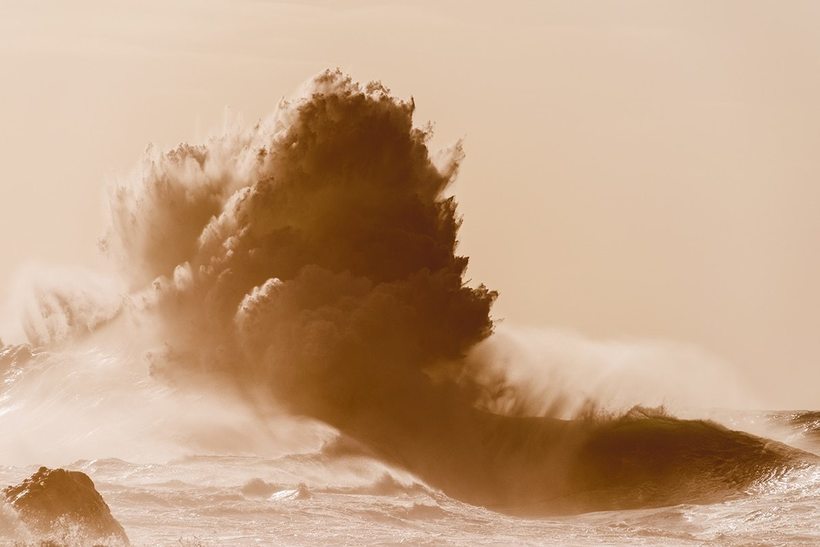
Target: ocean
[(167, 486), (287, 349)]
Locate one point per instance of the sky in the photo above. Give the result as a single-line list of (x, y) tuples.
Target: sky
[(634, 169)]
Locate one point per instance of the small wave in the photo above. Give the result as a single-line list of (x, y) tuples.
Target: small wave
[(343, 446), (386, 485), (800, 428), (259, 488), (301, 492), (806, 422), (102, 463)]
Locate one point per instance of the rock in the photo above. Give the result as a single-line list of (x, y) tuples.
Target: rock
[(56, 503)]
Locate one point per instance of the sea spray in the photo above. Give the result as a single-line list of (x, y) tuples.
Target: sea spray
[(309, 265)]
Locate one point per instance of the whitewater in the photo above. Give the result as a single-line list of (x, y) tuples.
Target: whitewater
[(288, 351), (199, 468)]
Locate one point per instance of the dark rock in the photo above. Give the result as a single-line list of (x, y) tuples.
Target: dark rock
[(55, 502)]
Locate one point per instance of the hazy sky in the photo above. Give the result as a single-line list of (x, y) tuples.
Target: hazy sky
[(638, 169)]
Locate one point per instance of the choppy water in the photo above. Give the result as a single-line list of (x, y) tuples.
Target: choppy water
[(316, 498), (319, 490)]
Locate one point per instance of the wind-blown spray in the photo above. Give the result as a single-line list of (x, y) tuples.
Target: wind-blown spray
[(310, 263)]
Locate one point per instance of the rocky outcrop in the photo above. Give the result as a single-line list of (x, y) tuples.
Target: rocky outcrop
[(56, 503)]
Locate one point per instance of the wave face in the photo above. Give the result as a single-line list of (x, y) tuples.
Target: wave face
[(307, 268), (544, 466)]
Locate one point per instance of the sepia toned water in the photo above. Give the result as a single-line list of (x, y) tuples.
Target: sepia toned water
[(311, 499), (185, 473), (283, 289)]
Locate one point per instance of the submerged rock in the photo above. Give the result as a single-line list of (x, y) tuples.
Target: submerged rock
[(55, 503)]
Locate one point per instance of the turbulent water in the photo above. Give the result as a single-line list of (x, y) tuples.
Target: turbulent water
[(289, 351), (189, 471), (310, 499)]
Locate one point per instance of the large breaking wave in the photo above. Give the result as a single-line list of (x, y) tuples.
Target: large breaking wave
[(309, 264)]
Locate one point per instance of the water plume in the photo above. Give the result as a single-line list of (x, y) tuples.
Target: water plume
[(310, 264), (315, 254)]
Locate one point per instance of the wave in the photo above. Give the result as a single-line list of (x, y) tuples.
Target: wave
[(548, 466), (258, 488), (385, 485), (803, 422), (309, 266), (388, 485), (651, 460), (301, 492), (515, 465)]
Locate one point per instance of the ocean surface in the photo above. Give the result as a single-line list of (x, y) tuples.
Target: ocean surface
[(322, 489), (302, 275)]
